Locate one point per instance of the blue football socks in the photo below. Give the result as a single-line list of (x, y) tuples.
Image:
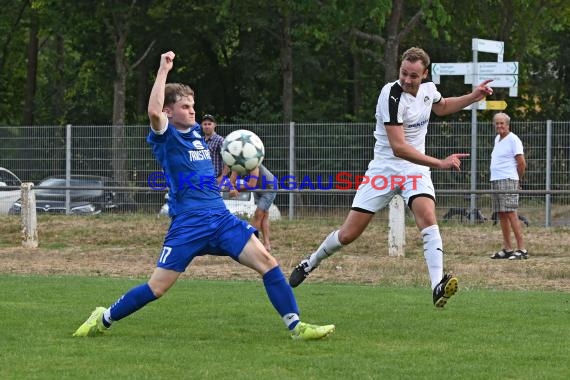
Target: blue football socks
[(130, 302), (281, 296)]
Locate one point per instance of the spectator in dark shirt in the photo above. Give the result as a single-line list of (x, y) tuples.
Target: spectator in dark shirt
[(215, 143)]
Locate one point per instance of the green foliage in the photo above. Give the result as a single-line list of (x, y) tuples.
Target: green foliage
[(229, 52)]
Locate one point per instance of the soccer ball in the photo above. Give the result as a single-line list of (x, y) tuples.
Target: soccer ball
[(242, 151)]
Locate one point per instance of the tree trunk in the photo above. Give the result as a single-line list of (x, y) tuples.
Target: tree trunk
[(287, 67), (31, 72), (59, 80), (119, 151), (390, 58), (59, 101), (142, 90), (356, 92)]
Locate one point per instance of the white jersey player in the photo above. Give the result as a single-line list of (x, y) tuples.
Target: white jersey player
[(402, 118)]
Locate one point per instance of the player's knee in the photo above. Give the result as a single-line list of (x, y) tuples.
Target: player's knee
[(266, 258), (158, 292), (158, 289), (264, 264), (272, 263), (347, 237)]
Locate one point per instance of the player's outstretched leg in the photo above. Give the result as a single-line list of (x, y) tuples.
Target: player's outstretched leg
[(300, 273), (93, 325), (328, 247), (305, 331), (444, 290)]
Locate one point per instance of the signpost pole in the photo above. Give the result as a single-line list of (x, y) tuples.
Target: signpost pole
[(503, 74), (474, 107)]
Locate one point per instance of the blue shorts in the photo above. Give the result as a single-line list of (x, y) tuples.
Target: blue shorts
[(264, 200), (209, 232)]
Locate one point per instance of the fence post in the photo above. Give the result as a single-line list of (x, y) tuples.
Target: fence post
[(547, 201), (292, 168), (67, 168), (29, 219), (397, 226)]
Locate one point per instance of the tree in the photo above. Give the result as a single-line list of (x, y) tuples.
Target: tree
[(12, 58), (31, 70), (397, 29), (118, 19)]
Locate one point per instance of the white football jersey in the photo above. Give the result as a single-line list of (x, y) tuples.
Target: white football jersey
[(396, 107)]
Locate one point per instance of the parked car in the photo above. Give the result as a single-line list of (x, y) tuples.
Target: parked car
[(82, 201), (243, 206), (8, 196)]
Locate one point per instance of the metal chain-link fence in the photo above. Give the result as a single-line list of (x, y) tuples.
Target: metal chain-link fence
[(312, 159)]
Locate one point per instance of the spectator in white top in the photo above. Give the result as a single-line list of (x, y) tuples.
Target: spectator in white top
[(507, 170)]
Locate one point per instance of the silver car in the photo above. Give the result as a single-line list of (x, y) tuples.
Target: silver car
[(8, 196)]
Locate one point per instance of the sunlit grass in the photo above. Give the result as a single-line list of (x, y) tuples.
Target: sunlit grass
[(228, 330), (128, 245)]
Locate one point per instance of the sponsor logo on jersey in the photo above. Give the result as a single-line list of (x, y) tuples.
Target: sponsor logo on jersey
[(418, 124), (199, 155), (198, 144)]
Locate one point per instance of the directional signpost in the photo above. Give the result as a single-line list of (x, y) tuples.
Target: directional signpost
[(489, 46), (493, 68), (495, 105), (503, 74), (498, 105), (438, 69)]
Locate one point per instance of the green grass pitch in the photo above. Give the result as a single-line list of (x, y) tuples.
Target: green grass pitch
[(228, 330)]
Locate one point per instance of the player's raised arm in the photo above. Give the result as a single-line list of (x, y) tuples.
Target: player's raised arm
[(454, 104), (156, 99)]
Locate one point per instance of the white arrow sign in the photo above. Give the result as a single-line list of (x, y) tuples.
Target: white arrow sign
[(493, 68), (498, 67), (438, 69), (499, 80), (489, 46), (483, 68), (460, 68), (508, 81)]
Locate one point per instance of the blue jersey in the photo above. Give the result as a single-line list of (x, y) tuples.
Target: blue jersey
[(187, 164)]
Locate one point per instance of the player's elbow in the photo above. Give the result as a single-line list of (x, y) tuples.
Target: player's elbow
[(155, 120), (153, 114), (399, 151)]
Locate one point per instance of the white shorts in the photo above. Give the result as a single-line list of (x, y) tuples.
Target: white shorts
[(382, 182)]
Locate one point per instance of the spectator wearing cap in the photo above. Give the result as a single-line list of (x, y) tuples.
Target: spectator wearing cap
[(215, 143)]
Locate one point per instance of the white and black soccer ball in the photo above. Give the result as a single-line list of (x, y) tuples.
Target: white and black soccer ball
[(242, 151)]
